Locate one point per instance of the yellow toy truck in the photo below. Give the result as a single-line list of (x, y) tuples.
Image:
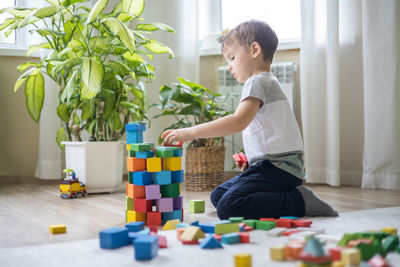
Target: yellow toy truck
[(70, 187)]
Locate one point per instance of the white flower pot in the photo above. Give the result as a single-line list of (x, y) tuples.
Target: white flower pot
[(97, 164)]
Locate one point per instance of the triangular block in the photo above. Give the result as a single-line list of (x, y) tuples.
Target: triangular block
[(210, 242), (192, 233), (171, 224)]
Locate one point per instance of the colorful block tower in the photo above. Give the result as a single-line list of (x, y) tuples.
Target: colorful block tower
[(153, 190)]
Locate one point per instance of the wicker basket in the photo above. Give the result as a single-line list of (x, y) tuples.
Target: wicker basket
[(204, 167)]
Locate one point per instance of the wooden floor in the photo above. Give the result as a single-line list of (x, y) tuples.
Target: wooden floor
[(28, 206)]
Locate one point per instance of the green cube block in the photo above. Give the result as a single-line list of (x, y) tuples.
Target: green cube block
[(150, 144), (265, 225), (224, 228), (398, 249), (169, 190), (131, 153), (390, 243), (197, 206), (140, 147), (367, 251), (345, 239), (130, 203), (236, 219), (130, 177), (251, 223), (164, 153)]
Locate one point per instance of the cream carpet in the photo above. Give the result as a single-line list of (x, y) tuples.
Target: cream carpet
[(88, 253)]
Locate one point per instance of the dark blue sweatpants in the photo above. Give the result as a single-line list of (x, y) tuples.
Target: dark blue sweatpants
[(262, 191)]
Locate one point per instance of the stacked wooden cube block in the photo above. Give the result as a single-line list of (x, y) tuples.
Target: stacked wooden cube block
[(153, 190)]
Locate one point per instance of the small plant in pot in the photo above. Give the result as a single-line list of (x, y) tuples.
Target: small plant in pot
[(98, 61), (191, 104)]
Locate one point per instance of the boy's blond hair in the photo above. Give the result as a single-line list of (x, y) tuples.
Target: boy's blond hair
[(253, 31)]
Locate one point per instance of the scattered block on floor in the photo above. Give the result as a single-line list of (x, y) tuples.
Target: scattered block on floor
[(390, 230), (171, 224), (277, 231), (302, 235), (390, 243), (350, 256), (192, 233), (57, 229), (337, 264), (210, 242), (224, 228), (314, 229), (244, 237), (265, 225), (335, 253), (251, 222), (114, 238), (197, 206), (302, 223), (162, 241), (146, 247), (236, 219), (377, 261), (287, 223), (194, 242), (243, 260), (294, 249), (231, 238), (179, 232), (135, 226), (277, 253)]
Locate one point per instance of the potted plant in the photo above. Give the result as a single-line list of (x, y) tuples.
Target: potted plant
[(97, 60), (191, 104)]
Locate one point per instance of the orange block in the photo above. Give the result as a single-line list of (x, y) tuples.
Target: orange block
[(179, 232), (294, 249), (135, 191), (135, 164)]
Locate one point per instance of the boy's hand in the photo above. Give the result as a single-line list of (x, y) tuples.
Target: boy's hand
[(182, 135), (242, 166)]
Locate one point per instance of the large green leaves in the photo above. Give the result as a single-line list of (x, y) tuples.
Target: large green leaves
[(154, 27), (34, 95), (60, 137), (92, 77), (34, 48), (134, 7), (119, 29), (158, 48), (45, 12), (70, 87), (96, 10)]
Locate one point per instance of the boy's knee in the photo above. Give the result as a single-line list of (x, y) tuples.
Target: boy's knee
[(225, 210), (215, 196)]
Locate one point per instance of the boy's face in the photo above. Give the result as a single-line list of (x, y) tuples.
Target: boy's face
[(240, 61)]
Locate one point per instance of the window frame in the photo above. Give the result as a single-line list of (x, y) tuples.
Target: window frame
[(209, 45)]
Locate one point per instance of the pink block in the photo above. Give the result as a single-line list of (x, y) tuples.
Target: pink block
[(153, 191), (164, 204)]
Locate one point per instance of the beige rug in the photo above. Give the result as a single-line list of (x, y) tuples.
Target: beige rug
[(88, 253)]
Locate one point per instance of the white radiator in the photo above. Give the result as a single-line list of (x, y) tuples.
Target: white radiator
[(284, 71)]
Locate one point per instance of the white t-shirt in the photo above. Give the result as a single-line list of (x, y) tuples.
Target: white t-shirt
[(273, 134)]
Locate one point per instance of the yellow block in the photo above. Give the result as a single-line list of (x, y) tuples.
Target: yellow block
[(153, 164), (337, 264), (128, 147), (243, 260), (171, 224), (390, 230), (277, 253), (350, 256), (192, 233), (133, 216), (58, 229), (172, 164)]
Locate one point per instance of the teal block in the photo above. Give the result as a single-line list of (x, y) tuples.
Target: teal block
[(162, 177), (145, 154), (130, 177), (231, 238)]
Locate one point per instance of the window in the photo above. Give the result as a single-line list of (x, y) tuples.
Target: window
[(284, 16), (11, 39)]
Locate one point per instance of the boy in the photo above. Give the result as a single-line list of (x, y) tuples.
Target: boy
[(272, 185)]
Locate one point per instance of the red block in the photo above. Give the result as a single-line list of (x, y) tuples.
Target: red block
[(154, 218), (248, 228), (302, 223), (307, 257), (287, 223), (153, 229), (194, 242), (378, 261), (288, 233), (244, 237), (268, 219), (335, 253), (143, 205)]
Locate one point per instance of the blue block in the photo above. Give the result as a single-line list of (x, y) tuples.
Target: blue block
[(144, 154), (195, 223), (142, 178), (231, 238), (146, 247), (177, 176), (134, 235), (135, 226), (182, 225), (134, 126), (178, 153), (289, 217), (162, 177), (172, 215), (114, 238), (241, 228), (210, 242), (207, 227), (134, 137)]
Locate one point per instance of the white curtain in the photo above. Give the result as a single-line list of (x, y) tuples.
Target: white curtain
[(350, 91)]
